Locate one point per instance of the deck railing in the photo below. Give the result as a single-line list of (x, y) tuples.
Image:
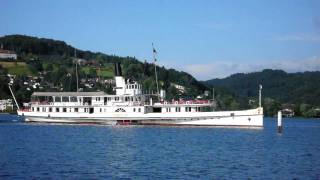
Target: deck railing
[(135, 103), (187, 102)]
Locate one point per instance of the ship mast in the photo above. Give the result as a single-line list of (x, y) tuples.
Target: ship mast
[(75, 56), (212, 94), (155, 68), (260, 89)]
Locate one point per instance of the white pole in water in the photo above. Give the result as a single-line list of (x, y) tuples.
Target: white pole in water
[(279, 122), (14, 98)]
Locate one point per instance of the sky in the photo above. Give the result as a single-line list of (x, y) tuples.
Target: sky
[(206, 38)]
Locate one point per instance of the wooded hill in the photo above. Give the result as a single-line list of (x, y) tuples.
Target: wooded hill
[(53, 63), (300, 91)]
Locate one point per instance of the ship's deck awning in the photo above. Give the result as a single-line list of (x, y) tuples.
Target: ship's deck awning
[(99, 93)]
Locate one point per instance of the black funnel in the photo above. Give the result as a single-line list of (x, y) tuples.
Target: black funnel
[(117, 69)]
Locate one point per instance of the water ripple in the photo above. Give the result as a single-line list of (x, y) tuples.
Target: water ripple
[(40, 151)]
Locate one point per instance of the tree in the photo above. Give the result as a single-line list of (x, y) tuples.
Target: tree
[(271, 106), (49, 67), (92, 73), (134, 71)]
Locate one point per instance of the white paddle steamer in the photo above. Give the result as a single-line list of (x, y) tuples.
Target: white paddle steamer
[(130, 106)]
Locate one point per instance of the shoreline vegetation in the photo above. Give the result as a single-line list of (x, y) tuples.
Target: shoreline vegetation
[(49, 65)]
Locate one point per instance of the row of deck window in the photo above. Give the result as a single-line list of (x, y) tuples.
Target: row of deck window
[(134, 110), (87, 99), (178, 109), (64, 99), (57, 109), (86, 110), (133, 86), (127, 98), (50, 109), (187, 109)]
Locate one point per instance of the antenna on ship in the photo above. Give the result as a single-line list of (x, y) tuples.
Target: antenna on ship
[(75, 56), (155, 67), (213, 99), (212, 94), (260, 89)]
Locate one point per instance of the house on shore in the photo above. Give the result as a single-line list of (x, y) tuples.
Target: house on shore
[(5, 103), (287, 112), (180, 88), (6, 54)]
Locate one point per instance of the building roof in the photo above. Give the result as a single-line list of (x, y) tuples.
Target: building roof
[(99, 93), (6, 51)]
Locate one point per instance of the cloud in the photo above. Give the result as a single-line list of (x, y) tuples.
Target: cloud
[(223, 69), (299, 37)]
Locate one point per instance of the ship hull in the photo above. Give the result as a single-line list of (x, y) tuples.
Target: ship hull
[(247, 118)]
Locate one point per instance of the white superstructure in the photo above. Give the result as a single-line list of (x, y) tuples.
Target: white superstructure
[(130, 106)]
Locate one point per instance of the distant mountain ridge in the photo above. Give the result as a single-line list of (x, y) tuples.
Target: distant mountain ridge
[(296, 88)]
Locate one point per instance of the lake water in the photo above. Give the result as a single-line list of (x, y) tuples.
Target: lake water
[(33, 151)]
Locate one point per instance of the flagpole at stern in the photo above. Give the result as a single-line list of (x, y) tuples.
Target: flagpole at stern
[(155, 68)]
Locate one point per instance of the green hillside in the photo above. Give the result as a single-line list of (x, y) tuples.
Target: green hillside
[(52, 64), (300, 91), (17, 68)]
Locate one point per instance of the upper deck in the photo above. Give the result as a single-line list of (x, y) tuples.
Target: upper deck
[(98, 99), (86, 99)]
